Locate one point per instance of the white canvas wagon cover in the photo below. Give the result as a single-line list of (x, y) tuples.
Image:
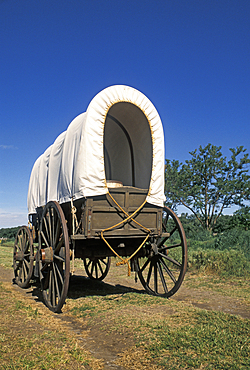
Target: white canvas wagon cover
[(119, 137)]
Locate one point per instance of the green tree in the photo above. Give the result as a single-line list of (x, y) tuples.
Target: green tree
[(9, 232), (241, 218), (208, 183)]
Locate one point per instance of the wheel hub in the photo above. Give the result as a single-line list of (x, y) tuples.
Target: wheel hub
[(19, 256), (154, 248), (47, 255)]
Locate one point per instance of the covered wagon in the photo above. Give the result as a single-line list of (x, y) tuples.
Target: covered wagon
[(98, 192)]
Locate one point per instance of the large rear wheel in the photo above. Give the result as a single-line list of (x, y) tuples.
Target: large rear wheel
[(163, 269), (54, 258)]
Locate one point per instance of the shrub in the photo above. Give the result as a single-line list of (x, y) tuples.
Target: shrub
[(9, 233), (234, 239), (224, 263)]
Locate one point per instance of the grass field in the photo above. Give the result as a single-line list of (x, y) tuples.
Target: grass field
[(6, 253), (151, 332), (174, 334)]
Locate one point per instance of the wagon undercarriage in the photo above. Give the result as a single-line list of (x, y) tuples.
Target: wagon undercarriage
[(158, 257)]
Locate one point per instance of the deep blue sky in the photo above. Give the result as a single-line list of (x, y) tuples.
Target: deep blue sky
[(190, 57)]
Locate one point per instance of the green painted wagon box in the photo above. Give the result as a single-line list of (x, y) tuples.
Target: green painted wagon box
[(101, 213)]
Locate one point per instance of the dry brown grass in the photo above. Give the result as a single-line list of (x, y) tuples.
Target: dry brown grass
[(32, 337)]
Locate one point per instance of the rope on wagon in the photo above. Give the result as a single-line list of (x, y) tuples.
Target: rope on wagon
[(74, 218), (74, 223), (129, 217)]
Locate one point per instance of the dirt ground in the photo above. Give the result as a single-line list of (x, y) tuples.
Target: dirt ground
[(103, 346)]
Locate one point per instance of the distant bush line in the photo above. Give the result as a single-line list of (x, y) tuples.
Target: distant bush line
[(9, 233), (226, 252)]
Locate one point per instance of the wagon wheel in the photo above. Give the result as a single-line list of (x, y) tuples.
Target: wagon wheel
[(54, 256), (163, 269), (23, 257), (97, 268)]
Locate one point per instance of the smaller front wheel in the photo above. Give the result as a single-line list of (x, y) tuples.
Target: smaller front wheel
[(97, 268), (23, 257)]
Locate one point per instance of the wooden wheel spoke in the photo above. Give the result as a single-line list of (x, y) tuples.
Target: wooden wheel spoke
[(164, 224), (96, 270), (59, 245), (56, 282), (44, 267), (59, 258), (162, 242), (48, 285), (23, 240), (20, 272), (174, 229), (59, 273), (168, 271), (26, 246), (145, 265), (26, 255), (166, 247), (57, 233), (44, 238), (50, 228), (46, 229), (26, 263), (53, 292), (19, 245), (100, 267), (53, 227), (92, 267), (149, 272), (89, 262), (170, 259), (20, 237), (24, 271), (155, 278), (53, 295), (162, 277)]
